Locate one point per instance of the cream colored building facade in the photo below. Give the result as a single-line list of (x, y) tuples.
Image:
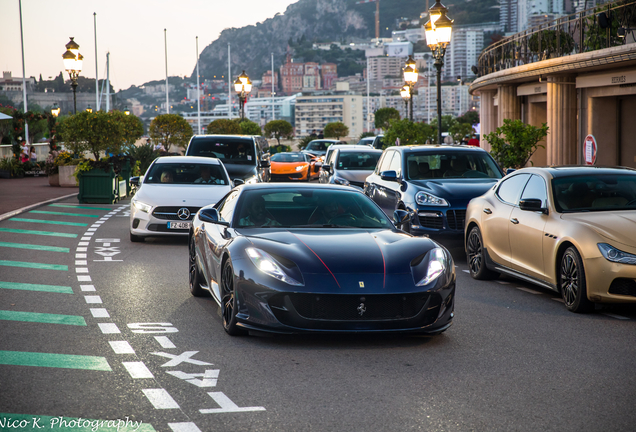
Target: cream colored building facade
[(314, 112)]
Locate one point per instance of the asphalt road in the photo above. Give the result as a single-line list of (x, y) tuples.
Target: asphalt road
[(98, 328)]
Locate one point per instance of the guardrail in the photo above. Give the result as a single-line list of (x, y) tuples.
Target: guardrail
[(601, 27)]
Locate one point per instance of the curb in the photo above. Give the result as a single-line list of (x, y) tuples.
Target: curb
[(27, 208)]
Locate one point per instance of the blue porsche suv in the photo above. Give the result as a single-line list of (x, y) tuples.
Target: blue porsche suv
[(433, 184)]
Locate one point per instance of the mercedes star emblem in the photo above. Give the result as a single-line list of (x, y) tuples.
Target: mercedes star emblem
[(183, 213)]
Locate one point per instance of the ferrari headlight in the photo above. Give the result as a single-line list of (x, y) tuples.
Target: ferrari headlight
[(300, 167), (141, 206), (436, 266), (267, 264), (341, 181), (616, 255), (427, 199)]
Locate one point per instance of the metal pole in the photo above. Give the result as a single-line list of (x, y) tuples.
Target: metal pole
[(165, 41), (24, 92), (96, 70), (438, 64), (74, 86), (428, 90), (368, 98), (107, 82), (411, 100), (229, 84), (273, 111), (198, 89)]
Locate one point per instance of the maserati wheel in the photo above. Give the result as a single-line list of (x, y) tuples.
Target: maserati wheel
[(572, 282), (476, 256)]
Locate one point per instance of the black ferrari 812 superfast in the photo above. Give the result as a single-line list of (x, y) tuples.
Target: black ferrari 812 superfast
[(317, 258)]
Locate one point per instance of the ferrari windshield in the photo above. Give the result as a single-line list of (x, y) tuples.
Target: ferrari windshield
[(451, 164), (600, 192), (288, 157), (308, 208), (186, 173)]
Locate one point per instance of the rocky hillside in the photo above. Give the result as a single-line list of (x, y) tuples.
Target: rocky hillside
[(321, 21)]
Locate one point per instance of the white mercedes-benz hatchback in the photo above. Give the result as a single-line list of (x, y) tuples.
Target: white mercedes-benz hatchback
[(171, 192)]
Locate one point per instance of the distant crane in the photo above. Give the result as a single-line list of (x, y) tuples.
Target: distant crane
[(377, 15)]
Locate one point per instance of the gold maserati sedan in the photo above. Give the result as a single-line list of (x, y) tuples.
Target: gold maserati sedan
[(570, 229)]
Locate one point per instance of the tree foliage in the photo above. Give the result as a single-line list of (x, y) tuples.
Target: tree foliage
[(248, 127), (224, 127), (336, 130), (93, 132), (132, 128), (383, 117), (169, 130), (514, 143), (409, 133), (459, 130), (279, 129), (470, 117)]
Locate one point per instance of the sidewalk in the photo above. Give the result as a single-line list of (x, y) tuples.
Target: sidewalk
[(16, 194)]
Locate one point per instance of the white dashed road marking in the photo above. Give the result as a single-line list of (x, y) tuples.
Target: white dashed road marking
[(121, 347), (100, 313), (184, 427), (87, 287), (226, 405), (137, 370), (160, 399), (93, 299), (108, 328)]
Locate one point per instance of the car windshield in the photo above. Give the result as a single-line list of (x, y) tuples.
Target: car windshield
[(601, 192), (308, 208), (186, 173), (288, 157), (229, 150), (357, 161), (318, 145), (449, 164)]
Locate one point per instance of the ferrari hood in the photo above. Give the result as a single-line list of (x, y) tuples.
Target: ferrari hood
[(455, 189), (181, 195), (618, 226), (343, 251)]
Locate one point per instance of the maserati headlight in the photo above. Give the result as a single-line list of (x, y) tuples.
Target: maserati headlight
[(267, 264), (427, 199), (436, 266), (141, 206), (616, 255), (341, 181), (300, 167)]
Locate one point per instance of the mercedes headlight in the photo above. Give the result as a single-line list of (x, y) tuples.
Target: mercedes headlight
[(341, 181), (141, 206), (436, 266), (423, 198), (267, 264), (616, 255)]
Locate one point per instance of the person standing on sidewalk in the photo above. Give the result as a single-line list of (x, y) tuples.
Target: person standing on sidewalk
[(24, 156)]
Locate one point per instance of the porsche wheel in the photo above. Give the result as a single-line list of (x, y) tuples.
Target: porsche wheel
[(572, 282), (228, 301), (194, 272), (476, 256)]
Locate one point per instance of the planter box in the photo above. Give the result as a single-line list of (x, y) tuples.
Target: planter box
[(5, 174), (98, 186), (66, 176), (54, 179)]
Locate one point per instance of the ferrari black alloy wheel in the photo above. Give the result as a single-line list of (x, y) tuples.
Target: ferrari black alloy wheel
[(475, 255), (228, 301), (572, 282), (194, 273)]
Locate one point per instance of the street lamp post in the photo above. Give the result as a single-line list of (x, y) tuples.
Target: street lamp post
[(405, 92), (243, 87), (411, 75), (73, 64), (438, 30)]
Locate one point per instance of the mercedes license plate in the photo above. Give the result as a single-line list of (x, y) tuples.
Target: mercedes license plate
[(179, 225)]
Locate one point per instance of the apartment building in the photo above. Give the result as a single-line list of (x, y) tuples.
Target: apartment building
[(313, 112), (465, 48)]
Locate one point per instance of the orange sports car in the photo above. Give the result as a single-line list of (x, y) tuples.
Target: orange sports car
[(294, 166)]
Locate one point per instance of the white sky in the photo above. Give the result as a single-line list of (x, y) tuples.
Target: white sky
[(131, 30)]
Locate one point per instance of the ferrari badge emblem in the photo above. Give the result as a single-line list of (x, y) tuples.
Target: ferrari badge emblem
[(361, 284), (362, 309)]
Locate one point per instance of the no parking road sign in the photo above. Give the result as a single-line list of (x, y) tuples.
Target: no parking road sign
[(589, 150)]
